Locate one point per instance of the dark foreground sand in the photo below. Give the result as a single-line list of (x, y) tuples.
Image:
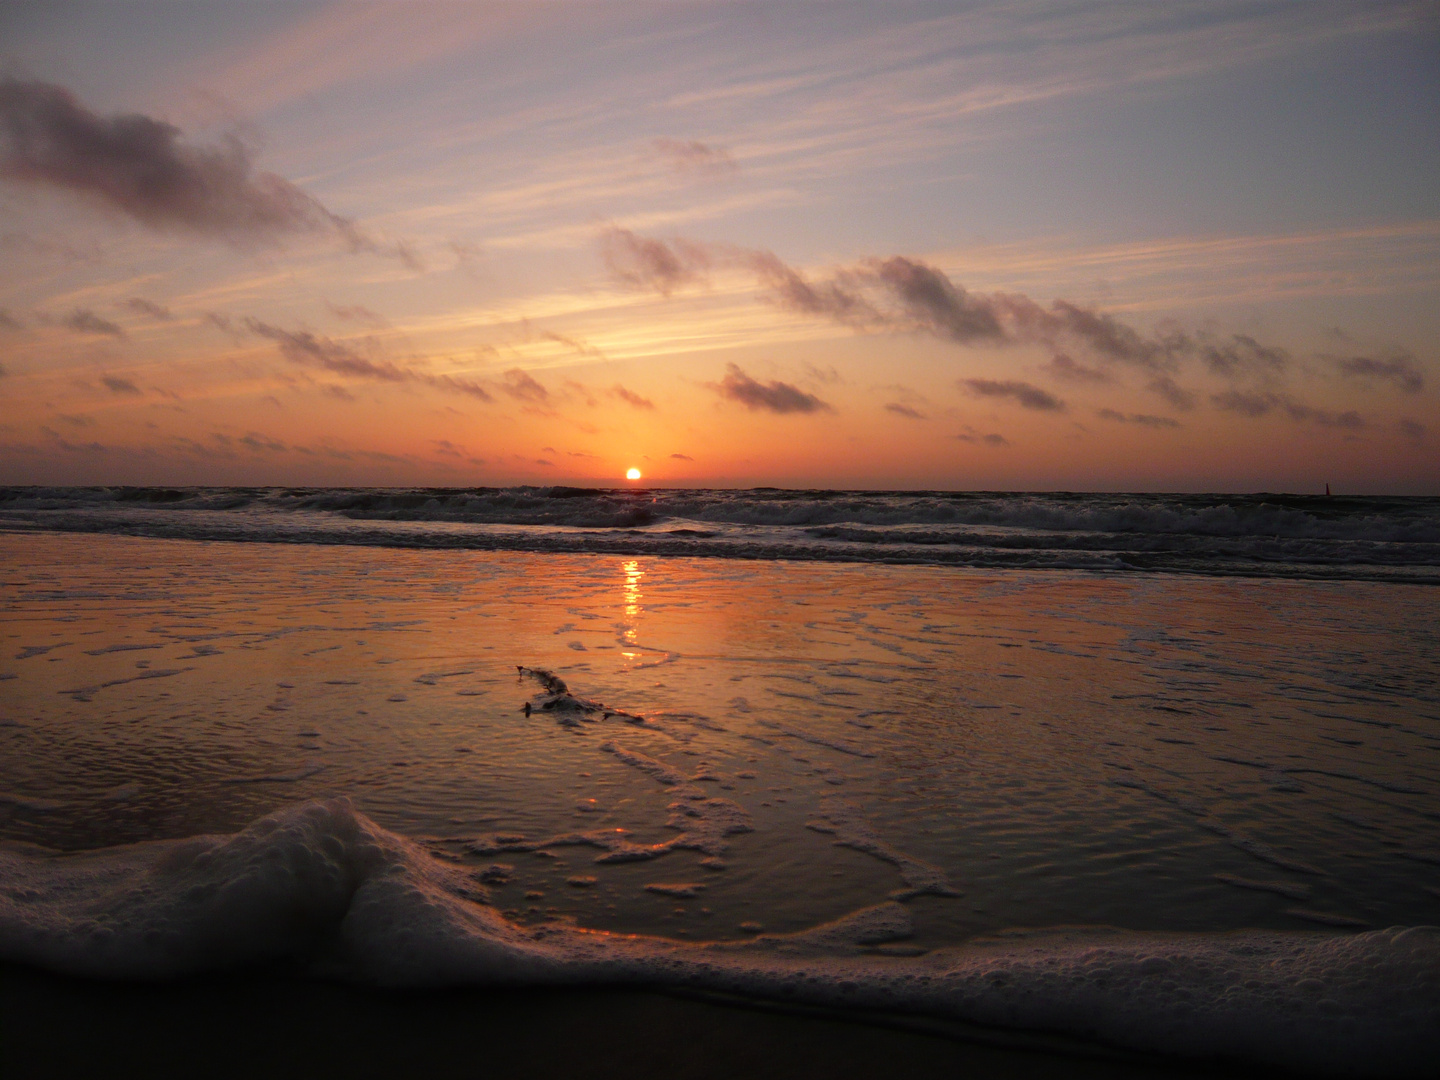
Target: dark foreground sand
[(266, 1028)]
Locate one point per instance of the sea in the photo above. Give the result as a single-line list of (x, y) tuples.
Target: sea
[(1151, 772)]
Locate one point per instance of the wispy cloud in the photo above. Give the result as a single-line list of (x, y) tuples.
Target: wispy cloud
[(904, 410), (773, 396), (656, 265), (1256, 404), (118, 385), (630, 397), (696, 160), (304, 347), (902, 294), (141, 306), (521, 386), (84, 321), (1400, 370), (1143, 419)]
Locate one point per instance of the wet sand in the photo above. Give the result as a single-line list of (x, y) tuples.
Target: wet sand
[(260, 1026)]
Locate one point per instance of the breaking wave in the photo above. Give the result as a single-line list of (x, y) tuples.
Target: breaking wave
[(1285, 535)]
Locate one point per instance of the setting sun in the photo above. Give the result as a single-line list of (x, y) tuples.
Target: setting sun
[(632, 474)]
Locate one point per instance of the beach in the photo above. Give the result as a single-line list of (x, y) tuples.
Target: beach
[(1179, 816)]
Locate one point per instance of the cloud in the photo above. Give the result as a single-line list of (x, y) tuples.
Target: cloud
[(262, 443), (900, 294), (1144, 419), (582, 347), (1065, 367), (149, 307), (142, 167), (993, 439), (1242, 355), (631, 397), (691, 158), (357, 313), (61, 443), (1257, 404), (904, 410), (117, 385), (1172, 392), (84, 321), (776, 397), (644, 263), (1026, 395), (1413, 428), (520, 386), (681, 457), (9, 322), (1401, 370), (303, 347)]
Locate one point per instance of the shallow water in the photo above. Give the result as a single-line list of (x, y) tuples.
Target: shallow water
[(1171, 812), (1057, 748)]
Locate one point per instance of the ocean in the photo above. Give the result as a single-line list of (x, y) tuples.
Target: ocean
[(1158, 773)]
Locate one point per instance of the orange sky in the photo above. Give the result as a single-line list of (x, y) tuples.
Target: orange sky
[(937, 246)]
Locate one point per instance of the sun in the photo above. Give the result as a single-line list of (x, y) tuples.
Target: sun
[(632, 474)]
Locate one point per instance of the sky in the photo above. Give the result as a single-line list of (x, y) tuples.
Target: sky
[(1009, 246)]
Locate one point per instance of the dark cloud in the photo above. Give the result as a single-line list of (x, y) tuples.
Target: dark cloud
[(116, 385), (682, 457), (903, 294), (1065, 367), (1026, 395), (520, 386), (262, 443), (631, 397), (1172, 392), (1144, 419), (904, 410), (1401, 370), (303, 347), (935, 303), (644, 263), (974, 437), (149, 307), (1257, 404), (696, 159), (84, 321), (776, 397), (1413, 428), (838, 300), (1242, 355), (9, 322), (142, 167), (61, 443)]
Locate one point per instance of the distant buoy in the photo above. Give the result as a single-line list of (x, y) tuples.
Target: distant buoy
[(1327, 491)]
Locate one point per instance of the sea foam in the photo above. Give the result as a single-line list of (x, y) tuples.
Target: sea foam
[(323, 889)]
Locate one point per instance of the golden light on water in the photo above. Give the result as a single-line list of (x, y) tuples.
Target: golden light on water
[(632, 474)]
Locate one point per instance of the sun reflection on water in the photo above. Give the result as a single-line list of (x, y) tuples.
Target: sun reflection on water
[(631, 595)]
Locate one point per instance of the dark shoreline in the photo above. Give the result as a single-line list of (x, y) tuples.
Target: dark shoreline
[(259, 1025)]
